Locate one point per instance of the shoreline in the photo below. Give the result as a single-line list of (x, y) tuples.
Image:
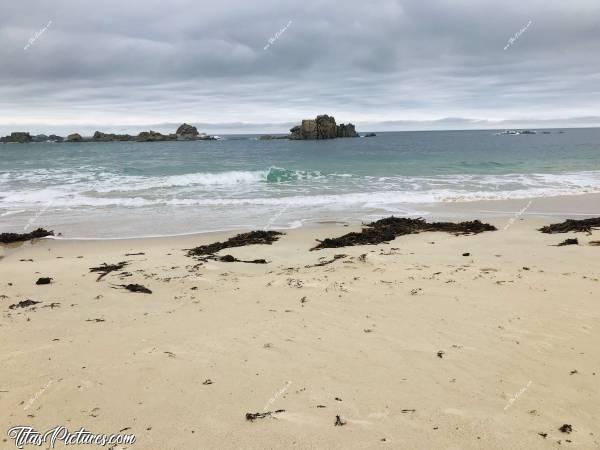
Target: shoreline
[(542, 208)]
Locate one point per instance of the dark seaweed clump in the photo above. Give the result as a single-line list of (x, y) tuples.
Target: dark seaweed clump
[(584, 225), (104, 269), (386, 230), (241, 240), (9, 238)]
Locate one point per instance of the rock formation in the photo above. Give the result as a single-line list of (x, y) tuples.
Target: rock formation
[(370, 135), (108, 137), (346, 131), (190, 133), (75, 137), (154, 136), (17, 137), (323, 127), (184, 133)]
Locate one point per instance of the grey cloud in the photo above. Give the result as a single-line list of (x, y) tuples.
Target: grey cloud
[(145, 62)]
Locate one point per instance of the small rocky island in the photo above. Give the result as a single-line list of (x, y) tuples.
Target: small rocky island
[(184, 133), (323, 127)]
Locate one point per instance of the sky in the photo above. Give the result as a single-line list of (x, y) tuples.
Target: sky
[(261, 65)]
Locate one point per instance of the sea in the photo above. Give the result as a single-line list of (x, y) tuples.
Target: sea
[(130, 189)]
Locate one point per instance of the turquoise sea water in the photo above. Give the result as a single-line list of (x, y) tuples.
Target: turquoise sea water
[(148, 189)]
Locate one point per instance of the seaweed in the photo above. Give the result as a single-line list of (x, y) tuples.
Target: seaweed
[(253, 416), (584, 225), (229, 258), (566, 428), (8, 238), (104, 269), (386, 230), (136, 288), (568, 242), (339, 422), (241, 240), (23, 304)]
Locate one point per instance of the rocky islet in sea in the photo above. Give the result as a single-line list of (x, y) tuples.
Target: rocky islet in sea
[(184, 133), (323, 127)]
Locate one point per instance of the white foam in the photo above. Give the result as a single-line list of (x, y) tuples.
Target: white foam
[(83, 187)]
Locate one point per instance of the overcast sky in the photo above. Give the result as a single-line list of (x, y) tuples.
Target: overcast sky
[(117, 62)]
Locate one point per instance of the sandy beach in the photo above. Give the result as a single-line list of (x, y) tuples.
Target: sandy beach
[(406, 345)]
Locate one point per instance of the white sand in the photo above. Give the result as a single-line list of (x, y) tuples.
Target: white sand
[(367, 333)]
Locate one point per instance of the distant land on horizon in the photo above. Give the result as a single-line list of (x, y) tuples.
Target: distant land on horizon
[(444, 124)]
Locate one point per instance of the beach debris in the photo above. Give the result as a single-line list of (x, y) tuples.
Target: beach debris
[(386, 230), (23, 304), (326, 262), (104, 269), (207, 382), (52, 305), (43, 280), (136, 288), (95, 320), (568, 242), (229, 258), (544, 435), (8, 238), (584, 225), (294, 283), (241, 240), (339, 422), (566, 428), (251, 417), (466, 254), (135, 254), (595, 243), (573, 372), (404, 411), (441, 354)]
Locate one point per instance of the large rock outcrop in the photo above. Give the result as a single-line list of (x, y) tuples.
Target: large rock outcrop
[(190, 133), (323, 127), (75, 137), (155, 136), (348, 130), (109, 137), (17, 137), (186, 132)]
